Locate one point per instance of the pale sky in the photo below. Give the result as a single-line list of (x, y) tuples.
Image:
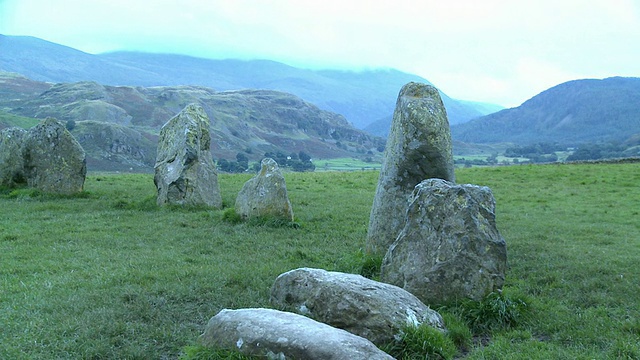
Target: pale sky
[(498, 51)]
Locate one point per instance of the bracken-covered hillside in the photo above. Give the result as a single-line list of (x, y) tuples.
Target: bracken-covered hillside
[(118, 125)]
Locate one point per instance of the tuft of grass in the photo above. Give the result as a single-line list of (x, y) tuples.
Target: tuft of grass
[(457, 330), (497, 311), (421, 342), (199, 352), (371, 266), (231, 216)]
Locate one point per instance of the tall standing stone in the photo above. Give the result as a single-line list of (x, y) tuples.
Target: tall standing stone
[(450, 247), (418, 148), (12, 157), (265, 195), (184, 171), (54, 161)]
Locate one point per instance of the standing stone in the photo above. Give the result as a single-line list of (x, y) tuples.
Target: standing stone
[(418, 148), (367, 308), (54, 161), (450, 247), (184, 171), (12, 157), (274, 334), (265, 195)]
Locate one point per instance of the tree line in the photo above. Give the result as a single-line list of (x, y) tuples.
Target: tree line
[(300, 162)]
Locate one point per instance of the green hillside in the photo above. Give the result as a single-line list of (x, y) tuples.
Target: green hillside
[(575, 112)]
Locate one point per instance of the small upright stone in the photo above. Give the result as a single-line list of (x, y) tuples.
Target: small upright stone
[(450, 248), (265, 195), (418, 148), (54, 161), (184, 171), (12, 157)]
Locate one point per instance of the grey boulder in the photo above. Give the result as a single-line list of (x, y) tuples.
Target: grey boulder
[(368, 308), (54, 162), (450, 247), (12, 157), (184, 170), (282, 335), (265, 195)]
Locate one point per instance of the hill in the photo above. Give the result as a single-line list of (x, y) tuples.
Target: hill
[(574, 112), (362, 97), (118, 125)]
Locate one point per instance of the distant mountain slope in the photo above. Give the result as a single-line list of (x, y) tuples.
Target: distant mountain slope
[(118, 125), (362, 97), (574, 112)]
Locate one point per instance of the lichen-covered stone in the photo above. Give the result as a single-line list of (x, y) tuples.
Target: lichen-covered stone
[(12, 157), (184, 171), (418, 148), (265, 195), (277, 334), (450, 247), (367, 308), (54, 161)]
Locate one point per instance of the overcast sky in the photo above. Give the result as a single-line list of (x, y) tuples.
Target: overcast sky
[(498, 51)]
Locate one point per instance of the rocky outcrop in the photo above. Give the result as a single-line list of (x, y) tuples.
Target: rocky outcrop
[(418, 148), (371, 309), (115, 147), (265, 195), (12, 157), (54, 161), (450, 247), (283, 335), (184, 171)]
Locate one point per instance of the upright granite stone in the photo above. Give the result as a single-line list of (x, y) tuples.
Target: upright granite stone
[(54, 162), (265, 195), (367, 308), (184, 171), (274, 334), (12, 157), (418, 148), (450, 247)]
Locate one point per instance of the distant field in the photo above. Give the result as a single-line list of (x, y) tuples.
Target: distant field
[(345, 164), (10, 120), (109, 275)]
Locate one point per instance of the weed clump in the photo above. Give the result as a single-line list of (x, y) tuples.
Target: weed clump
[(497, 311), (371, 266), (421, 342), (199, 352)]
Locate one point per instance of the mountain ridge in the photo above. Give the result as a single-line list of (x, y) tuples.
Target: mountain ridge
[(574, 112), (360, 96)]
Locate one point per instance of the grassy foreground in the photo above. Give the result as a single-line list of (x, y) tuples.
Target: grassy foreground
[(108, 275)]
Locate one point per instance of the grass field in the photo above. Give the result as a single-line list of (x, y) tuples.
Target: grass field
[(108, 275)]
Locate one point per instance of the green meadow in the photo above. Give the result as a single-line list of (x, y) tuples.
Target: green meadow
[(109, 275)]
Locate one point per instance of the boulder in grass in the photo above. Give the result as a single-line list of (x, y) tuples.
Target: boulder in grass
[(368, 308), (12, 157), (450, 247), (283, 335), (54, 162), (265, 195), (184, 170)]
